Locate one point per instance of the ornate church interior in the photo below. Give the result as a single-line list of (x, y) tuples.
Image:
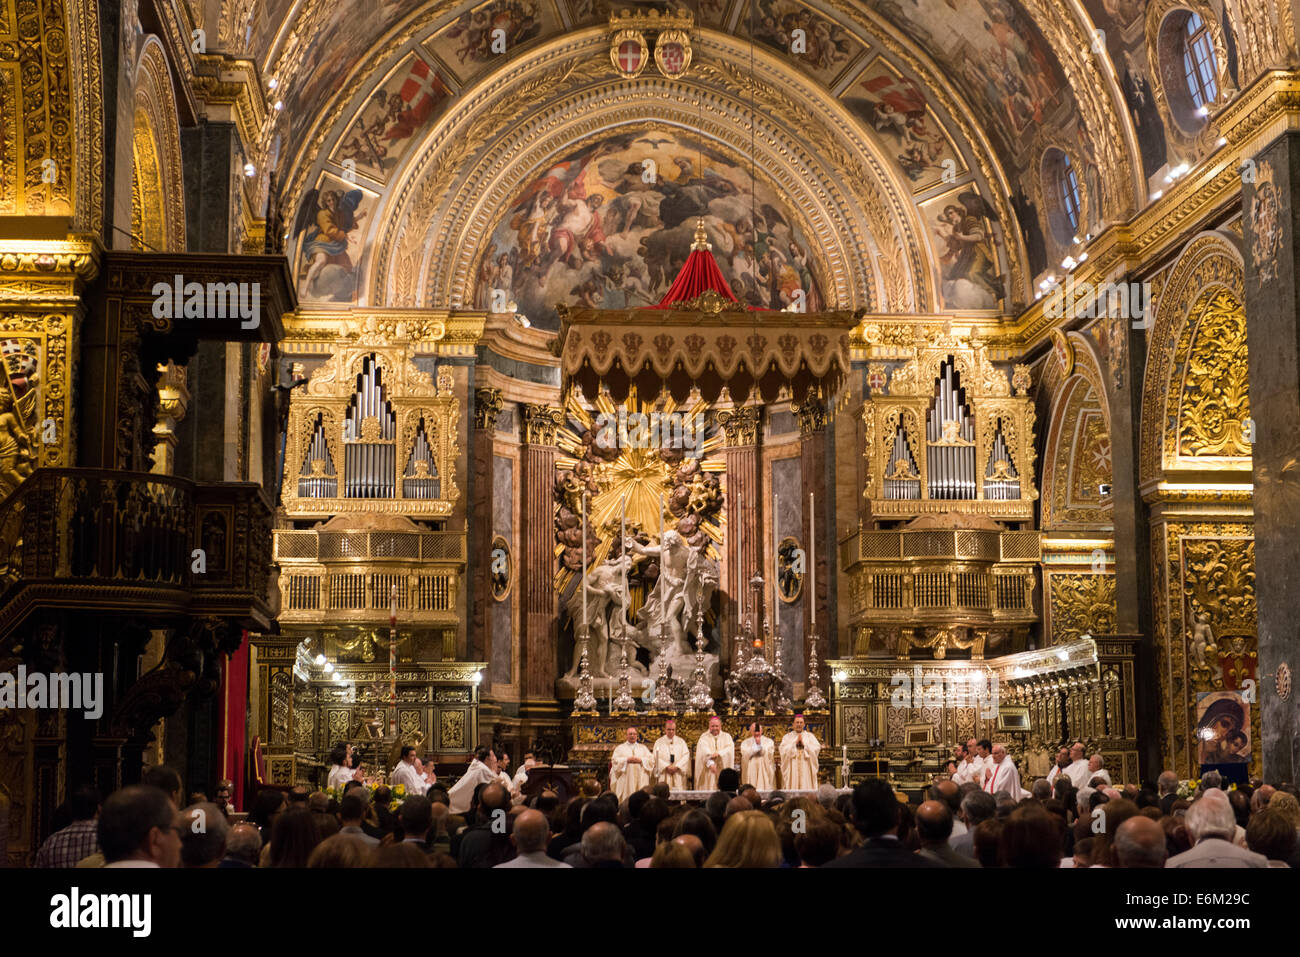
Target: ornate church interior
[(462, 375)]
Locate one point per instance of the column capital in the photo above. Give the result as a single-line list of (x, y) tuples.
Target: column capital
[(540, 423), (739, 426), (487, 406), (813, 414)]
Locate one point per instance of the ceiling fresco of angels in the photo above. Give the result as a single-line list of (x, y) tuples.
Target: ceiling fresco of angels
[(610, 225)]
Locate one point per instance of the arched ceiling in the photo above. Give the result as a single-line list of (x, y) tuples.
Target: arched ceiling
[(948, 106)]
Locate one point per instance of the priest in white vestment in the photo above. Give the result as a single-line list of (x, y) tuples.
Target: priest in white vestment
[(671, 759), (406, 773), (1062, 762), (799, 750), (482, 770), (714, 752), (1078, 769), (521, 773), (968, 768), (1002, 778), (758, 759), (1097, 769), (629, 769)]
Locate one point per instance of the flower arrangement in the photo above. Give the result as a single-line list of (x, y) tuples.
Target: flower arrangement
[(1187, 789), (373, 785)]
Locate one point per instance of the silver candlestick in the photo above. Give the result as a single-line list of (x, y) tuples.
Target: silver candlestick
[(584, 702), (623, 701), (814, 699), (700, 699), (663, 700)]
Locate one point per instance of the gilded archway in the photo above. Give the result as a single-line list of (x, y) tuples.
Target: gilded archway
[(1195, 421), (157, 191)]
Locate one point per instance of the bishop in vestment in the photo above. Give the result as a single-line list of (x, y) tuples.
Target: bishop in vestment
[(714, 751), (629, 769), (672, 759), (799, 750), (757, 759)]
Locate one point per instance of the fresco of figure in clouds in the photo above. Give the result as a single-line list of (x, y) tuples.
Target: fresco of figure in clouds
[(610, 225)]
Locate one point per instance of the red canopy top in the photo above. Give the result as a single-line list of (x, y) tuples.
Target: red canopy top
[(699, 275)]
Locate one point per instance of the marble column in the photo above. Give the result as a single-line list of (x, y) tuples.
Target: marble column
[(487, 406), (1125, 365), (539, 660), (1273, 344), (743, 499), (817, 469)]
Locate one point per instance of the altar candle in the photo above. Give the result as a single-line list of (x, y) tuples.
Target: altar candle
[(812, 559), (660, 581), (584, 561), (776, 561)]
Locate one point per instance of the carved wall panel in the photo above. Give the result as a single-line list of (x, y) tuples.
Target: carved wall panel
[(1080, 604)]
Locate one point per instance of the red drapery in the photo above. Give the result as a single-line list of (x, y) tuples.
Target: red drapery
[(233, 719), (698, 275)]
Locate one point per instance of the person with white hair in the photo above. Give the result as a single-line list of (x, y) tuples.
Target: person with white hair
[(1077, 771), (1003, 778), (1097, 769), (1211, 824)]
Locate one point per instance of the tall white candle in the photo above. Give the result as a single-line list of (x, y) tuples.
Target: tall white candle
[(776, 561), (660, 581), (584, 561), (740, 553), (812, 558)]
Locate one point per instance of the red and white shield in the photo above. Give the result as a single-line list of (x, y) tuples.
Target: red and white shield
[(876, 380), (630, 56), (674, 58)]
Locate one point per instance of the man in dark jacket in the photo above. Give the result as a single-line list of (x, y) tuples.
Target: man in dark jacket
[(875, 814)]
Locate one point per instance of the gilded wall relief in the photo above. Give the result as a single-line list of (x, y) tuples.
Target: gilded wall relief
[(1077, 461), (1081, 604), (1206, 637), (1215, 401)]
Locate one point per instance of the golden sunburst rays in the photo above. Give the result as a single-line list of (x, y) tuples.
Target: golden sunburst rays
[(633, 456)]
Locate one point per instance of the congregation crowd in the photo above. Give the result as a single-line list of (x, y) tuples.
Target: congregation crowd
[(1067, 821)]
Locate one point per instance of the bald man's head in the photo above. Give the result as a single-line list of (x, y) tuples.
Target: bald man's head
[(602, 842), (1259, 799), (933, 822), (531, 832), (692, 844), (1140, 842)]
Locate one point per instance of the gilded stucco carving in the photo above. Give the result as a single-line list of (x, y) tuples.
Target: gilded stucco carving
[(1215, 402), (1210, 264), (38, 174), (1081, 604), (157, 148), (1213, 564)]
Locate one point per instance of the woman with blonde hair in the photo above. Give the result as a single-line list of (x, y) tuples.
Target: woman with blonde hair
[(748, 839)]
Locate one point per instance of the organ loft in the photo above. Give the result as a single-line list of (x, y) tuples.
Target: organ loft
[(506, 373)]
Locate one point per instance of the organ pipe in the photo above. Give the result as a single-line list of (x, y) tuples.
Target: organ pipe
[(950, 452), (370, 462)]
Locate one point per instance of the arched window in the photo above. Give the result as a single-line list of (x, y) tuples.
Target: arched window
[(1061, 190), (1199, 67), (1067, 191)]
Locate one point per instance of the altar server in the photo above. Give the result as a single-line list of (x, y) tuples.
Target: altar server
[(757, 759), (714, 752), (407, 774), (799, 750), (672, 759), (1003, 776), (629, 769), (341, 771), (968, 768), (482, 770)]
